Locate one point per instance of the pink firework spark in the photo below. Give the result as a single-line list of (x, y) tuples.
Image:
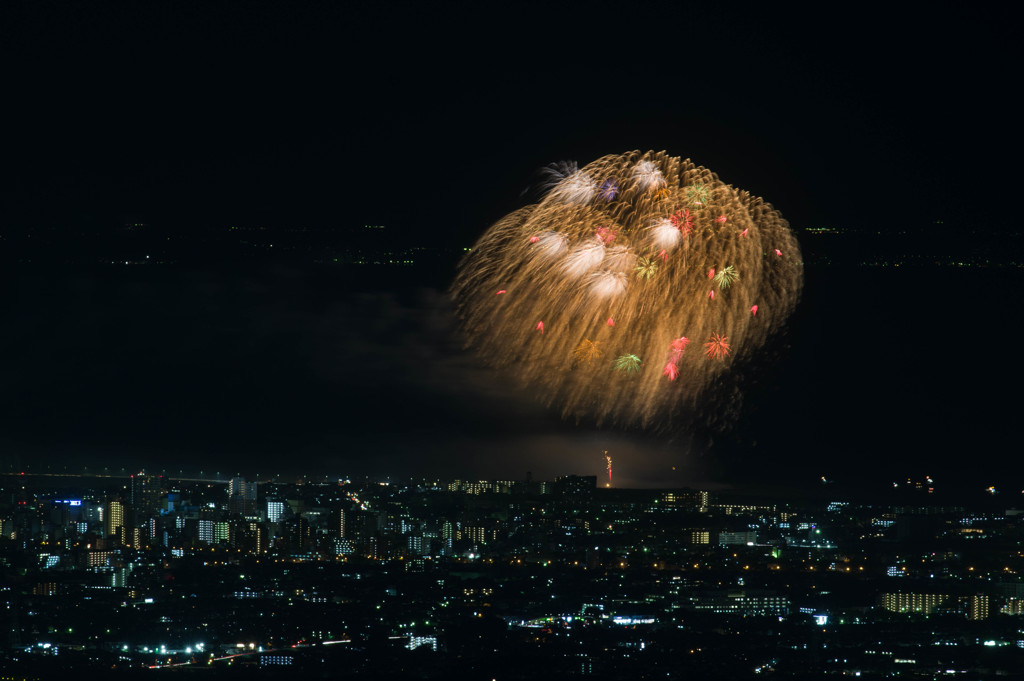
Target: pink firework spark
[(664, 256), (611, 322), (711, 294), (717, 347), (534, 239), (540, 326), (778, 252), (753, 310), (676, 349), (501, 291), (679, 344), (744, 232), (721, 218), (711, 273), (606, 235)]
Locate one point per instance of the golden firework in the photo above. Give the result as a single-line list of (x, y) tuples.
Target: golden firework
[(629, 237)]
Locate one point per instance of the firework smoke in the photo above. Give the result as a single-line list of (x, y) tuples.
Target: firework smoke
[(661, 246)]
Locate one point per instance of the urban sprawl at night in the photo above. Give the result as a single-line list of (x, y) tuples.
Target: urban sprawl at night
[(501, 578)]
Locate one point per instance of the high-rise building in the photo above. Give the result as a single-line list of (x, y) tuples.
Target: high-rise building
[(113, 518), (205, 532), (257, 538), (146, 492), (222, 532), (275, 510), (977, 607), (337, 526), (241, 497)]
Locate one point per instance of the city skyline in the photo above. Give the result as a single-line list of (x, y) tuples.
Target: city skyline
[(572, 575), (244, 250)]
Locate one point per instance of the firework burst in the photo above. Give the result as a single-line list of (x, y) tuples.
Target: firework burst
[(726, 277), (646, 268), (609, 190), (648, 175), (587, 350), (628, 363), (604, 245), (577, 188), (697, 194), (717, 347)]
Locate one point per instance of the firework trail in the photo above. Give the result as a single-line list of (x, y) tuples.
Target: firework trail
[(608, 465), (623, 258)]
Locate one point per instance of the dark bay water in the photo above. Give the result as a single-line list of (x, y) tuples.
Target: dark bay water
[(884, 373)]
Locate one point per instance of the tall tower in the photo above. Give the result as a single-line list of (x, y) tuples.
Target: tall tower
[(113, 518), (241, 497), (145, 495)]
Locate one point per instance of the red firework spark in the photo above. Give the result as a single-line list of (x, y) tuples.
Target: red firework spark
[(717, 347), (683, 221), (540, 326), (671, 370)]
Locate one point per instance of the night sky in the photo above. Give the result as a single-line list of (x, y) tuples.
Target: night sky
[(433, 119)]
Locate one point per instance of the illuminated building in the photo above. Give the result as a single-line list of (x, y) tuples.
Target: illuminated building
[(241, 497), (753, 602), (417, 641), (113, 518), (477, 535), (205, 531), (45, 589), (922, 603), (338, 523), (99, 558), (977, 607), (1013, 606), (700, 537), (733, 538), (275, 509), (687, 499)]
